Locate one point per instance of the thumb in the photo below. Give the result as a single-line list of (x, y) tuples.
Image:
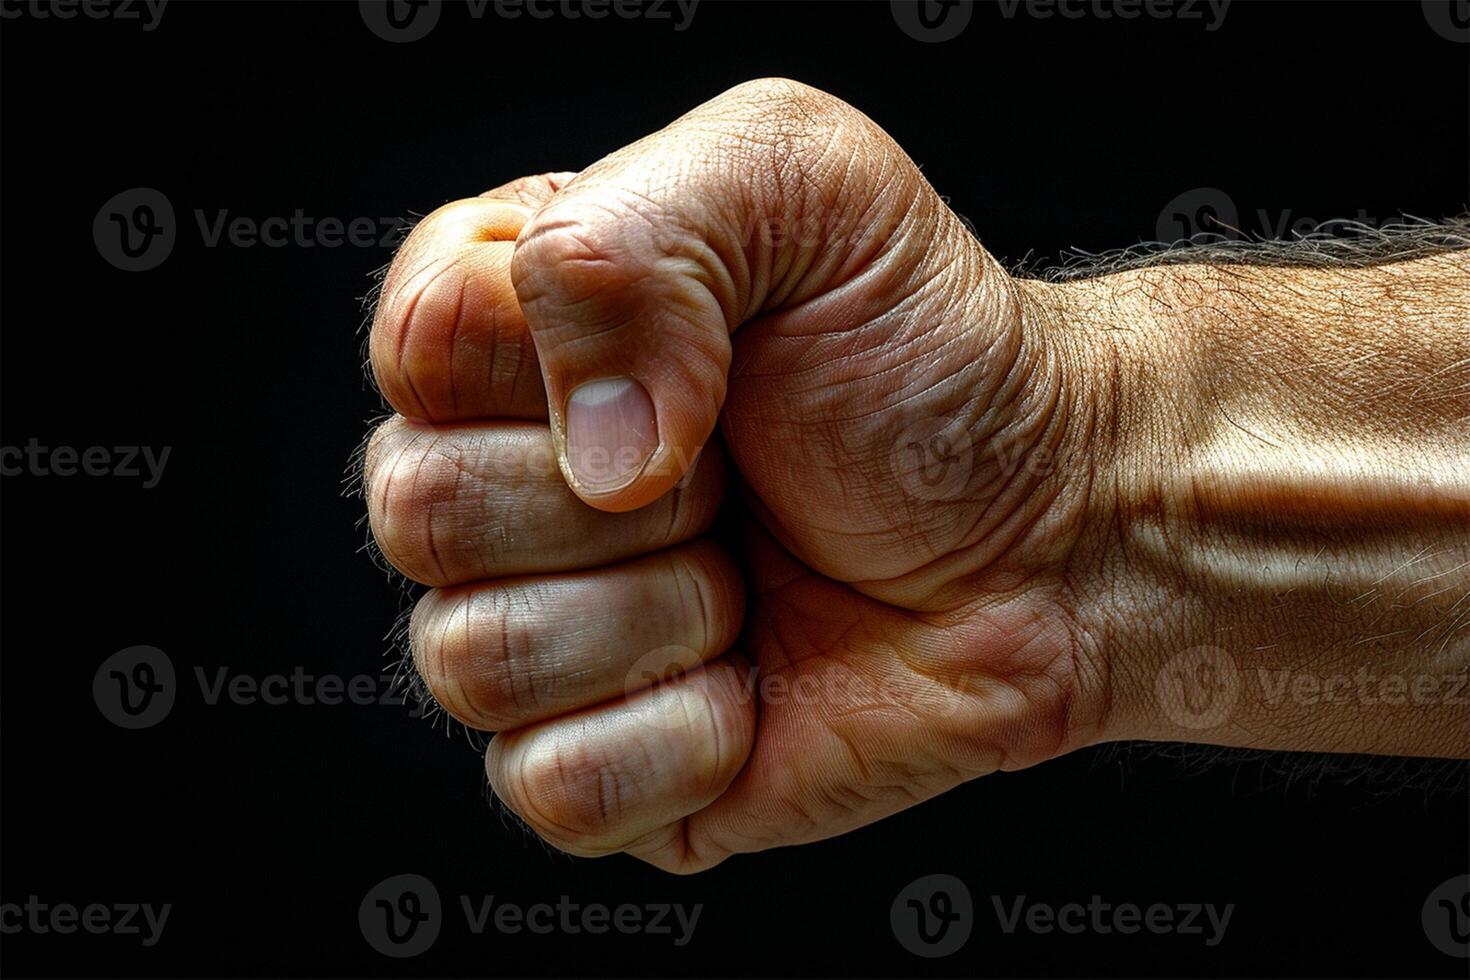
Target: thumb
[(634, 275)]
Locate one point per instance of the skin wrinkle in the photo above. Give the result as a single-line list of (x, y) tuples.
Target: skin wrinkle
[(493, 358), (455, 455), (467, 603), (539, 820), (900, 366), (703, 603), (1007, 372), (981, 533), (450, 262), (424, 656), (718, 768), (456, 321), (676, 499), (815, 369), (386, 508), (788, 157), (832, 277), (519, 684), (498, 664)]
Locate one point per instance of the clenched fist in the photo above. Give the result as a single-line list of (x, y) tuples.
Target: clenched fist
[(980, 521)]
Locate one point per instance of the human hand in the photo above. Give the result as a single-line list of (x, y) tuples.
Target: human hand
[(953, 557)]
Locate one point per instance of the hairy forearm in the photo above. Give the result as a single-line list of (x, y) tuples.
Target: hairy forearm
[(1281, 501)]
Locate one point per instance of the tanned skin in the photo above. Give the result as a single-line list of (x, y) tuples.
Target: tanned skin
[(987, 520)]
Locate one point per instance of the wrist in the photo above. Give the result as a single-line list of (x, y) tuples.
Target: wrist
[(1114, 350), (1272, 560)]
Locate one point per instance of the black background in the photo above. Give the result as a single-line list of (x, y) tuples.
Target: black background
[(265, 825)]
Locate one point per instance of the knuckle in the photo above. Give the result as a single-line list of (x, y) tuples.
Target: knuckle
[(579, 254), (406, 477), (413, 333), (435, 296), (531, 191), (475, 655), (570, 797), (783, 98), (699, 585), (787, 124), (385, 450), (439, 640), (729, 589)]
